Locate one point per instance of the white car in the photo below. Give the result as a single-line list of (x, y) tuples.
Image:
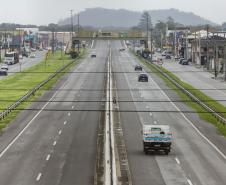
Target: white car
[(32, 55), (4, 66)]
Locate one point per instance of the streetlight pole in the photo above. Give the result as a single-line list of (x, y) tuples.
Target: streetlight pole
[(78, 33), (72, 25)]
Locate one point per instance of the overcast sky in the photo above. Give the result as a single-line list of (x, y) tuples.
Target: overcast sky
[(46, 11)]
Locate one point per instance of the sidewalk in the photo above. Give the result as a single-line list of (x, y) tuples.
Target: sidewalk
[(199, 79)]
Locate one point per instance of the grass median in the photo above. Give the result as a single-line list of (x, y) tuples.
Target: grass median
[(17, 85), (216, 106)]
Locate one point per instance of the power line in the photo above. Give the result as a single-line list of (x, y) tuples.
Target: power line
[(116, 111)]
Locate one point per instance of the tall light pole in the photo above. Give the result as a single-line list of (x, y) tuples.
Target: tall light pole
[(72, 25), (78, 33)]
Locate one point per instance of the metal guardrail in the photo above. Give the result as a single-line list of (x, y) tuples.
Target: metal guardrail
[(9, 109), (192, 96)]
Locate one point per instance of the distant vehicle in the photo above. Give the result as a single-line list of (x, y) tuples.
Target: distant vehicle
[(168, 57), (185, 62), (3, 72), (122, 49), (93, 55), (138, 68), (157, 138), (11, 58), (32, 55), (40, 49), (4, 66), (164, 53), (143, 78), (180, 61), (33, 50)]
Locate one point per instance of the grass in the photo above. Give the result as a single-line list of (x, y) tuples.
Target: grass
[(14, 87), (216, 106)]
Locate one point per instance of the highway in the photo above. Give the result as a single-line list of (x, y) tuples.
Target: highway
[(59, 147), (193, 159)]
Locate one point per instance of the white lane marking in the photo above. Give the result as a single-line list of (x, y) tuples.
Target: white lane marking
[(189, 182), (196, 129), (177, 160), (155, 122), (151, 114), (60, 132), (54, 143), (92, 44), (25, 128), (65, 122), (48, 157), (73, 107), (147, 107), (39, 177), (69, 114)]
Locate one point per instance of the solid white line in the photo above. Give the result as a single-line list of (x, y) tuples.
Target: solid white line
[(155, 122), (147, 107), (65, 122), (151, 114), (25, 128), (189, 182), (39, 177), (60, 132), (48, 157), (69, 114), (54, 143), (177, 160), (73, 107), (92, 44), (196, 129)]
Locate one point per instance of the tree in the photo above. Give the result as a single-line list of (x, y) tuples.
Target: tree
[(159, 33), (146, 23), (171, 23)]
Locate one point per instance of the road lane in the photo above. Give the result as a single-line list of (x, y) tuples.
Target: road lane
[(199, 162), (52, 152)]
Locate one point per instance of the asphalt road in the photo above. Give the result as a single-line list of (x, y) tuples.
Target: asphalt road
[(193, 160), (26, 63), (58, 148), (198, 78)]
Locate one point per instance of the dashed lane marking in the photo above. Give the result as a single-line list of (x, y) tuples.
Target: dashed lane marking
[(39, 177)]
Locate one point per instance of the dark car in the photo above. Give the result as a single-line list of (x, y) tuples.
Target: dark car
[(93, 55), (3, 72), (180, 61), (143, 78), (185, 62), (138, 68), (168, 57), (122, 49)]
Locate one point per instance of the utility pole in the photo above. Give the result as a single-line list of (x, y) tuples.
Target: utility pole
[(147, 29), (225, 63), (207, 46), (53, 40), (151, 44), (78, 34), (72, 25)]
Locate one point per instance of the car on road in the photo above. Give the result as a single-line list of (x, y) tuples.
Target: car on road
[(122, 49), (93, 55), (138, 68), (185, 62), (168, 57), (181, 59), (3, 72), (5, 66), (32, 55), (143, 78)]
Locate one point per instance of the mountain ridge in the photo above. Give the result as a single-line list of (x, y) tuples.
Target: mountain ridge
[(99, 17)]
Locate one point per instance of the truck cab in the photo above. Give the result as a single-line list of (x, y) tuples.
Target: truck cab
[(11, 58), (157, 138)]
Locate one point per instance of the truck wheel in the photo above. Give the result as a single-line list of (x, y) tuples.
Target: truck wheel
[(167, 152)]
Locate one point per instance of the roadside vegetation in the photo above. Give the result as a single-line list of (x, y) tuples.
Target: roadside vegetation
[(216, 106), (15, 86)]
